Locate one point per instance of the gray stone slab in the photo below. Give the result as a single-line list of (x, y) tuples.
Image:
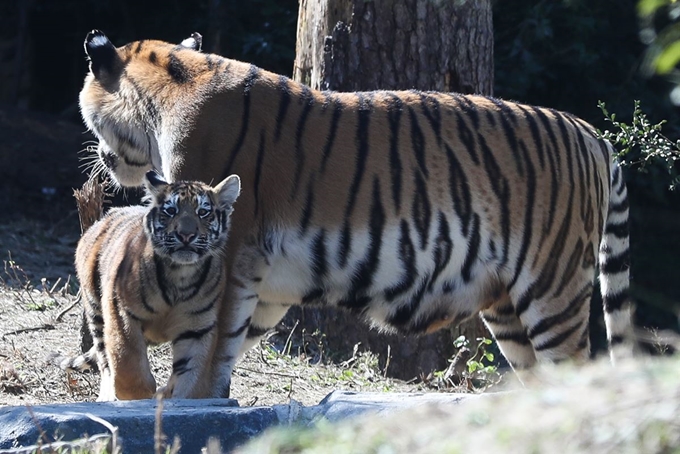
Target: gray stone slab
[(193, 421)]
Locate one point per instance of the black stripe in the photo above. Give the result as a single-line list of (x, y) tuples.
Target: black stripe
[(177, 70), (573, 263), (460, 190), (98, 319), (258, 172), (394, 111), (330, 140), (559, 339), (207, 307), (422, 212), (345, 243), (570, 311), (468, 107), (407, 255), (431, 110), (418, 142), (139, 46), (518, 338), (472, 251), (362, 136), (405, 313), (312, 296), (618, 207), (133, 316), (616, 340), (181, 366), (163, 284), (307, 101), (363, 276), (239, 331), (540, 286), (248, 82), (500, 187), (143, 277), (615, 264), (584, 340), (284, 87), (495, 318), (193, 334), (620, 231), (319, 261), (442, 250), (256, 331), (308, 209), (198, 283), (467, 138), (528, 214), (554, 168), (535, 135), (507, 115), (153, 58)]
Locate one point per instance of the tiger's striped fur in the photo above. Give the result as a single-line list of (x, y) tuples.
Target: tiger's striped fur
[(413, 209), (155, 274)]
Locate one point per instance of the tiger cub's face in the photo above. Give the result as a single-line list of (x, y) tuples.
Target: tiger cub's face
[(189, 220)]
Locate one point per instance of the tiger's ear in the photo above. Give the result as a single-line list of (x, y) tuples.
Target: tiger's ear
[(193, 42), (228, 191), (101, 53), (154, 182)]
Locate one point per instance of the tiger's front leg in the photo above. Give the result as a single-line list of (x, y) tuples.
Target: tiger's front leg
[(125, 345)]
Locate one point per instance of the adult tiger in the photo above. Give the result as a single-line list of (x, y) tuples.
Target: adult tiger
[(155, 274), (413, 209)]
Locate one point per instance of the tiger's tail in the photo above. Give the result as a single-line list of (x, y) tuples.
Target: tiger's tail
[(614, 263), (86, 361)]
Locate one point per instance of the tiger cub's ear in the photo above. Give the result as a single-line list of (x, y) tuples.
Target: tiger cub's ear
[(228, 191), (154, 182), (101, 53), (193, 42)]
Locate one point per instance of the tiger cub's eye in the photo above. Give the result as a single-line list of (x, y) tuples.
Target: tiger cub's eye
[(203, 212), (170, 211)]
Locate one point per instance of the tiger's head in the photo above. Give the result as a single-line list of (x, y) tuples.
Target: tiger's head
[(133, 127), (189, 220)]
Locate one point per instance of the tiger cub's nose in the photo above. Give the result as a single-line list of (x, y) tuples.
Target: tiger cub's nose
[(185, 238)]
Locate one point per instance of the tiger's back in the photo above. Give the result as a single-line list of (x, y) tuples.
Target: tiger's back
[(415, 209)]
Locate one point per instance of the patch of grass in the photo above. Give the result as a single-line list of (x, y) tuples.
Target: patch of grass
[(568, 408)]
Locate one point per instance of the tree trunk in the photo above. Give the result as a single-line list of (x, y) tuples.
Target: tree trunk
[(357, 45)]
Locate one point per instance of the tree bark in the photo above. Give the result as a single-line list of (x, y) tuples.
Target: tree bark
[(358, 45)]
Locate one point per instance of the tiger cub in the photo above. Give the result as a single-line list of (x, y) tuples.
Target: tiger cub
[(155, 274), (415, 210)]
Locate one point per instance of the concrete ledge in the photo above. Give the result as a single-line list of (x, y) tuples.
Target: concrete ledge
[(193, 421)]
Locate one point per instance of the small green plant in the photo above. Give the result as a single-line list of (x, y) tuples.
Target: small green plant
[(642, 145), (476, 374)]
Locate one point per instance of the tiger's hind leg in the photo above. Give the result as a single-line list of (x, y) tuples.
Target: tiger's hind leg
[(95, 322), (510, 334), (556, 323)]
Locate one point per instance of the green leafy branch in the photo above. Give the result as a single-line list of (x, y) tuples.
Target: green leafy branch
[(641, 143)]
